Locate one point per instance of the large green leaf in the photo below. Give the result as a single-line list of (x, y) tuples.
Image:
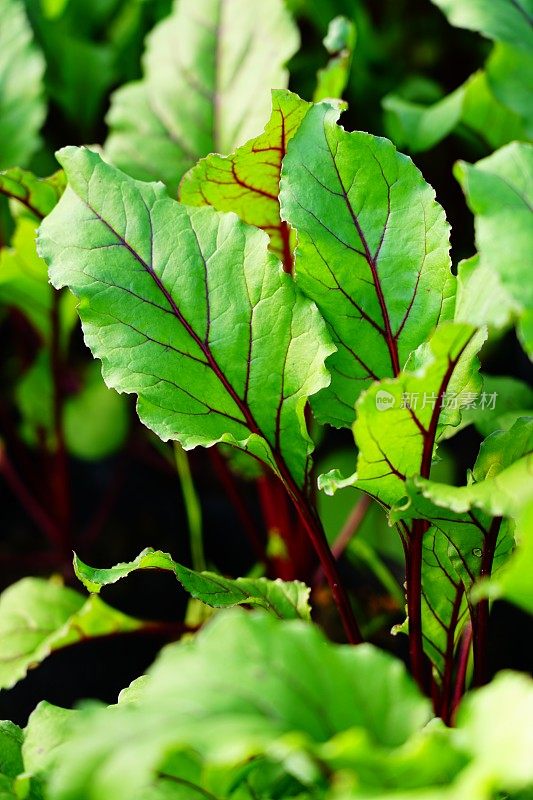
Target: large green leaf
[(498, 190), (287, 600), (508, 21), (372, 252), (247, 182), (399, 419), (208, 72), (246, 686), (22, 109), (39, 616), (186, 308)]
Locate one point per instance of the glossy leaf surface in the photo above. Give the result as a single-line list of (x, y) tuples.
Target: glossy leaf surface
[(187, 309), (372, 252)]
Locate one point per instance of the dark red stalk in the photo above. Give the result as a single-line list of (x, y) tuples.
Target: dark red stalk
[(315, 531), (229, 484), (462, 667), (32, 507), (59, 476), (480, 619), (417, 657), (348, 531), (445, 704)]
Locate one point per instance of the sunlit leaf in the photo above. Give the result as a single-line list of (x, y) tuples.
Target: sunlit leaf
[(186, 308), (247, 182), (208, 72), (372, 252), (22, 108)]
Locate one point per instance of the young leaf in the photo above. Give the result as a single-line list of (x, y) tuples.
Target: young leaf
[(286, 600), (398, 420), (39, 616), (37, 195), (186, 308), (498, 190), (209, 69), (508, 21), (372, 252), (247, 182), (22, 109), (340, 44)]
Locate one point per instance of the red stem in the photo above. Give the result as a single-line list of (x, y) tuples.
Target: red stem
[(59, 476), (348, 531), (32, 507), (462, 667), (229, 484), (447, 681), (414, 604)]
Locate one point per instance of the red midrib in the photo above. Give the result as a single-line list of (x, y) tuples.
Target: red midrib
[(389, 336)]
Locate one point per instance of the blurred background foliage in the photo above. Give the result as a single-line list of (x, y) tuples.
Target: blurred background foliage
[(78, 470)]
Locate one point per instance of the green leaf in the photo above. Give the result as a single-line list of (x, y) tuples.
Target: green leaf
[(11, 739), (208, 72), (247, 182), (22, 109), (510, 77), (502, 402), (418, 127), (216, 342), (398, 419), (498, 191), (39, 616), (48, 727), (372, 252), (513, 582), (37, 195), (23, 278), (279, 688), (500, 743), (96, 419), (340, 43), (508, 21), (284, 599), (501, 480)]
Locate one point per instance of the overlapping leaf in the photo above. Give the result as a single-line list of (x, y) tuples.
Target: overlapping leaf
[(286, 600), (498, 190), (38, 616), (399, 419), (247, 182), (186, 308), (508, 21), (372, 252), (37, 195), (209, 69), (22, 108)]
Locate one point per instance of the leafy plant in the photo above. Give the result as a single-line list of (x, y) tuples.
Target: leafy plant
[(269, 287)]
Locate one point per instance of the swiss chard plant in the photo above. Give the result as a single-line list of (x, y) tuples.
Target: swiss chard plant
[(259, 291)]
